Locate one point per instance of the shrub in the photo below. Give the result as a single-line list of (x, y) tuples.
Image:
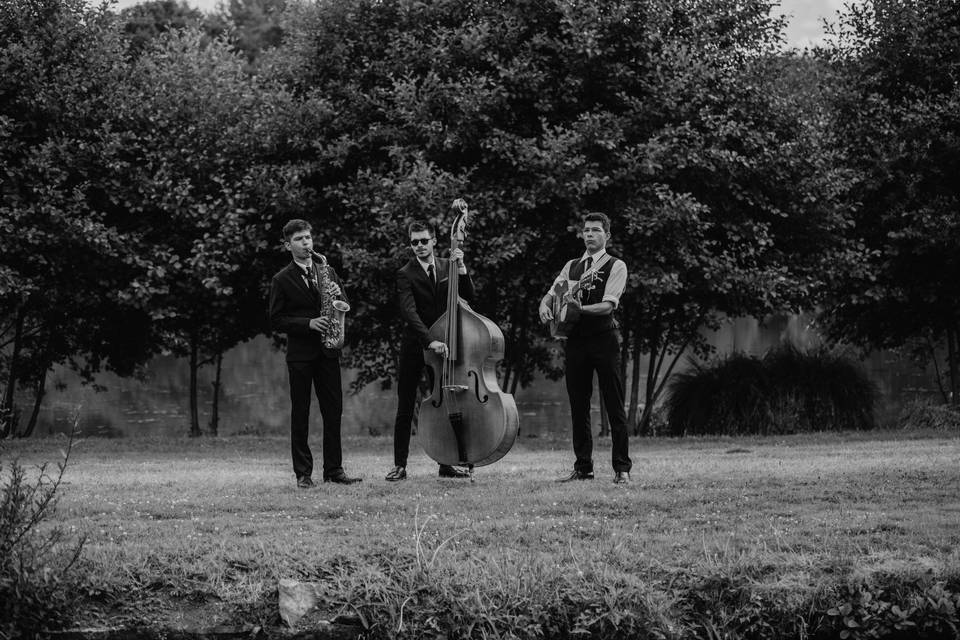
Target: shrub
[(926, 414), (36, 563), (786, 391), (721, 398)]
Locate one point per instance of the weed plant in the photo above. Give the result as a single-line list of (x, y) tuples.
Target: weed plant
[(786, 391), (37, 581)]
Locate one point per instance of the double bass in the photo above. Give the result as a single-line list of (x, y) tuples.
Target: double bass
[(467, 420)]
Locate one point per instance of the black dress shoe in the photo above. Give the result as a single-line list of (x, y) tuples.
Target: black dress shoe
[(621, 477), (446, 471), (305, 482), (577, 475), (342, 478), (396, 474)]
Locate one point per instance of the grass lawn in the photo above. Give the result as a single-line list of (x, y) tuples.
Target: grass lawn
[(714, 537)]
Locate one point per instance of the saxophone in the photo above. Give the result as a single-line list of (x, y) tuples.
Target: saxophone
[(331, 308)]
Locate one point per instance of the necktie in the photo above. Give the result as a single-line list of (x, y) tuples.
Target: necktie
[(431, 275), (587, 263), (308, 276)]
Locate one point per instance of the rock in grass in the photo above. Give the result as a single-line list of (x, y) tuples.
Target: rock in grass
[(296, 600)]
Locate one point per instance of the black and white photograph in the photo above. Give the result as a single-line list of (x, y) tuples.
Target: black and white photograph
[(479, 319)]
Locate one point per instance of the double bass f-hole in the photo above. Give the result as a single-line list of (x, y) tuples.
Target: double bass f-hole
[(476, 387)]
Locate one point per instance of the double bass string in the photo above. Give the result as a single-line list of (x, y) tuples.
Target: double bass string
[(453, 294)]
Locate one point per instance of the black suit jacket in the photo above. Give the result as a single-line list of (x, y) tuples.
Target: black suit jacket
[(421, 305), (292, 305)]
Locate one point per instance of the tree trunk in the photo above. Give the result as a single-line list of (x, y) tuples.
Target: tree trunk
[(625, 335), (513, 353), (518, 361), (423, 392), (7, 417), (634, 387), (932, 347), (604, 419), (40, 390), (514, 384), (194, 366), (643, 424), (215, 405), (656, 383), (507, 369), (954, 366)]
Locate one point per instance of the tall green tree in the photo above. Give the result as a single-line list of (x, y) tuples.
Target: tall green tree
[(897, 127), (731, 204), (65, 294), (201, 176)]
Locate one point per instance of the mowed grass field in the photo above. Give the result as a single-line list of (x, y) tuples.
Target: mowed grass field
[(712, 535)]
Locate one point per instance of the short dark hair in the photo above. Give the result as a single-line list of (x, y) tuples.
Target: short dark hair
[(419, 225), (295, 226), (596, 216)]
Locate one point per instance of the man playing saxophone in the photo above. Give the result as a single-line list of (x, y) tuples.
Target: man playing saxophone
[(304, 298)]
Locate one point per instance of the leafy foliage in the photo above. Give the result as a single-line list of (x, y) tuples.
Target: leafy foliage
[(654, 112), (253, 26), (138, 197), (65, 272), (200, 176), (734, 191), (787, 391), (896, 128), (885, 608), (146, 20)]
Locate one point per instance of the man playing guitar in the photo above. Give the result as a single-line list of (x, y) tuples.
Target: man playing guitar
[(591, 287)]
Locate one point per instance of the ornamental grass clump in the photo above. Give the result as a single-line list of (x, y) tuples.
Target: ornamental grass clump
[(786, 391)]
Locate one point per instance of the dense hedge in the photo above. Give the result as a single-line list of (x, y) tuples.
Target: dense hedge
[(786, 391)]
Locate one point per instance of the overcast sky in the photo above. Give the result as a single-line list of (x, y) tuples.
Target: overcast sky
[(806, 16)]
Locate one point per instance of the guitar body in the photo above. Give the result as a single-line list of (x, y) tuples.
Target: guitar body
[(565, 314)]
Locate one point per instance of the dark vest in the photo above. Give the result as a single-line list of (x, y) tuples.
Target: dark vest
[(592, 325)]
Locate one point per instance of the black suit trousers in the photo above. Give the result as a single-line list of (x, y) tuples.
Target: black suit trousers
[(408, 378), (598, 353), (323, 375)]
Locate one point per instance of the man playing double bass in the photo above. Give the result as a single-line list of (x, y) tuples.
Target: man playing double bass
[(421, 298), (593, 344)]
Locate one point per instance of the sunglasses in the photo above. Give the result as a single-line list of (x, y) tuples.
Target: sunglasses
[(414, 242)]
